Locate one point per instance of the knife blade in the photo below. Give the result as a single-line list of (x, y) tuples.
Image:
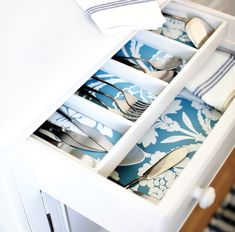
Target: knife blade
[(167, 162), (136, 155), (92, 133), (71, 138), (49, 137)]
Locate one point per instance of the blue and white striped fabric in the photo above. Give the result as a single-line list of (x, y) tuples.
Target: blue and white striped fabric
[(215, 83), (113, 16), (224, 218)]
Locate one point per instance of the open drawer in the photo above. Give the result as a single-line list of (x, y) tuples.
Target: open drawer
[(88, 191)]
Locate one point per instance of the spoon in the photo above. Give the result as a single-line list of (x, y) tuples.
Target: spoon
[(167, 162), (169, 64), (197, 29), (165, 75)]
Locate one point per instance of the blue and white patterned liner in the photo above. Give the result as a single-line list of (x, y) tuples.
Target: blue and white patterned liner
[(136, 91), (186, 122), (175, 29)]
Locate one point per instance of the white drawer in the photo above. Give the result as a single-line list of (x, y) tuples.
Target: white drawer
[(89, 192), (65, 178)]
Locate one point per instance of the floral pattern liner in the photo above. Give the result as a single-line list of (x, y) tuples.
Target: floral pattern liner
[(175, 29), (140, 93), (186, 122), (135, 48)]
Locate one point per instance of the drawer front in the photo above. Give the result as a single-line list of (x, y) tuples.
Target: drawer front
[(87, 191)]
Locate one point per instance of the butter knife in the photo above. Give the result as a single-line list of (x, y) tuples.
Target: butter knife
[(167, 162)]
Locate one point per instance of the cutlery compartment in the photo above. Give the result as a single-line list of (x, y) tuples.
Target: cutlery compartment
[(148, 48), (67, 127), (119, 92), (155, 55), (181, 30), (71, 182), (132, 132), (188, 122)]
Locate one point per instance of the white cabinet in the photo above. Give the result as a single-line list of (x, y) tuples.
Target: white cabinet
[(53, 48)]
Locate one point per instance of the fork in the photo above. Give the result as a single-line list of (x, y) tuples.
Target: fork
[(131, 100), (125, 110)]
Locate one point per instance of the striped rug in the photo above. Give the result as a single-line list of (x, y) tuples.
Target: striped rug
[(224, 219)]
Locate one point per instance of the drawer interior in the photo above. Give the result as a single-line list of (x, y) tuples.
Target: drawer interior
[(160, 92), (167, 100)]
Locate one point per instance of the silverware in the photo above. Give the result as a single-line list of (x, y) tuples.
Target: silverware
[(166, 64), (83, 92), (197, 29), (49, 137), (131, 100), (127, 112), (69, 137), (167, 162), (135, 156)]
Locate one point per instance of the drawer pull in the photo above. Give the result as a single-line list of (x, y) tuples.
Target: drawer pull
[(205, 196)]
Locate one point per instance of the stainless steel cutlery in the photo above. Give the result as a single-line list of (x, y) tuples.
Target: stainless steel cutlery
[(129, 111), (167, 162)]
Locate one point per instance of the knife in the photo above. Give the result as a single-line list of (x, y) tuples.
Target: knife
[(69, 137), (92, 133), (136, 155), (49, 137), (167, 162)]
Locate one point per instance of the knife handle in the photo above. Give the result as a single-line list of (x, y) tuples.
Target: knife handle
[(134, 181)]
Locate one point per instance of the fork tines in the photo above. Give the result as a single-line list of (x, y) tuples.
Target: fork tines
[(127, 111), (130, 99)]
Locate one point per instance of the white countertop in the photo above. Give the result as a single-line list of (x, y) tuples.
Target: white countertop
[(47, 49)]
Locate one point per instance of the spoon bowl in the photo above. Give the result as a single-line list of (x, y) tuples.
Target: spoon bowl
[(197, 29), (157, 64)]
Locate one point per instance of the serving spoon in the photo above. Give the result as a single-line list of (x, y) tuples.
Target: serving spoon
[(165, 75), (166, 64), (197, 29)]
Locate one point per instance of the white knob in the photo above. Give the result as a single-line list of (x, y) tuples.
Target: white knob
[(205, 197)]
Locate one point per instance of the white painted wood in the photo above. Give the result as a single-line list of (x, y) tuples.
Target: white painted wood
[(229, 40), (108, 118), (48, 49), (80, 223), (134, 76), (101, 115), (26, 183), (12, 213), (166, 44), (53, 208), (189, 9)]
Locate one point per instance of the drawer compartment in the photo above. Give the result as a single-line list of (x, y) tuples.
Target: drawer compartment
[(88, 191), (59, 181), (179, 196)]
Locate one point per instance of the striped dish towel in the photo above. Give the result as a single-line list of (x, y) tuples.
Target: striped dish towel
[(114, 16), (215, 82)]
